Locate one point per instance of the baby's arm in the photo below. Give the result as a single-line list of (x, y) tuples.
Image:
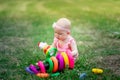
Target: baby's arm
[(53, 45), (74, 49), (54, 42)]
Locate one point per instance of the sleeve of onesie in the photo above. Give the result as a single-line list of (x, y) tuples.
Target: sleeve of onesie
[(54, 42), (73, 46)]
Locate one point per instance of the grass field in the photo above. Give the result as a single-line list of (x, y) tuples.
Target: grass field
[(95, 26)]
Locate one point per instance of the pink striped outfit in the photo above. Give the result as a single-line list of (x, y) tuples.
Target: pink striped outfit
[(66, 46)]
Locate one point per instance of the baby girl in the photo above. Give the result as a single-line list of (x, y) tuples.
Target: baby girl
[(63, 41)]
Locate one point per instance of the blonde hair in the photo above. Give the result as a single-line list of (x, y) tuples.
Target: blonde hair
[(62, 23)]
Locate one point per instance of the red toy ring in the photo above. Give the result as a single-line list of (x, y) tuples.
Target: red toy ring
[(71, 60), (42, 67), (46, 48)]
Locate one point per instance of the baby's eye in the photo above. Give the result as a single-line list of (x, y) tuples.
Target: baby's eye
[(56, 33), (60, 33)]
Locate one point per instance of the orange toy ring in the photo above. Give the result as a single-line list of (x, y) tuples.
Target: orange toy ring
[(46, 48), (55, 62), (42, 75)]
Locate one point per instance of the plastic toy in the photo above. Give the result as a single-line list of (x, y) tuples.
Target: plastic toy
[(97, 70), (53, 64), (82, 76), (47, 49)]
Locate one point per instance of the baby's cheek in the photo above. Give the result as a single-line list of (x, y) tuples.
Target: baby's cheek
[(56, 35)]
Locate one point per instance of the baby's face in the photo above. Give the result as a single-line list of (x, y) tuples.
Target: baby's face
[(60, 34)]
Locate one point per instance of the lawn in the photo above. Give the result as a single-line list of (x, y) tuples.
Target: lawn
[(95, 26)]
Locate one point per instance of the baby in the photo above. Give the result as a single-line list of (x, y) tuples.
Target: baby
[(63, 41)]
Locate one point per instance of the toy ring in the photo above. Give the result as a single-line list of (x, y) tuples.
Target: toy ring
[(46, 48), (60, 61), (65, 58), (42, 67), (49, 61), (51, 52), (71, 60), (33, 68), (55, 74), (55, 62), (28, 70), (42, 75), (97, 70)]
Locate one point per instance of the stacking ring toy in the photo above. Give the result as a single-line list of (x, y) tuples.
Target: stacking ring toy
[(55, 62), (61, 62), (42, 67), (65, 58), (49, 61)]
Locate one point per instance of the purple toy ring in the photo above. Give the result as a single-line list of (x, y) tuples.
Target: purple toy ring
[(28, 70), (60, 62), (33, 68)]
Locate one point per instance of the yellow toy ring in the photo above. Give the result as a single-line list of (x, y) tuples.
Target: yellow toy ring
[(66, 60)]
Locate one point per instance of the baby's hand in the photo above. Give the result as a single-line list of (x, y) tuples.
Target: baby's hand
[(74, 53)]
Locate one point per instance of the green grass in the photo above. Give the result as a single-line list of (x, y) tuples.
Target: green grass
[(23, 23)]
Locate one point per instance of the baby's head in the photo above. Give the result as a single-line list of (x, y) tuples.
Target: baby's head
[(62, 28), (63, 24)]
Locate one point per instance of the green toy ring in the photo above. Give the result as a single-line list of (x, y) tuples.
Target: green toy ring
[(51, 52), (49, 61), (55, 74)]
